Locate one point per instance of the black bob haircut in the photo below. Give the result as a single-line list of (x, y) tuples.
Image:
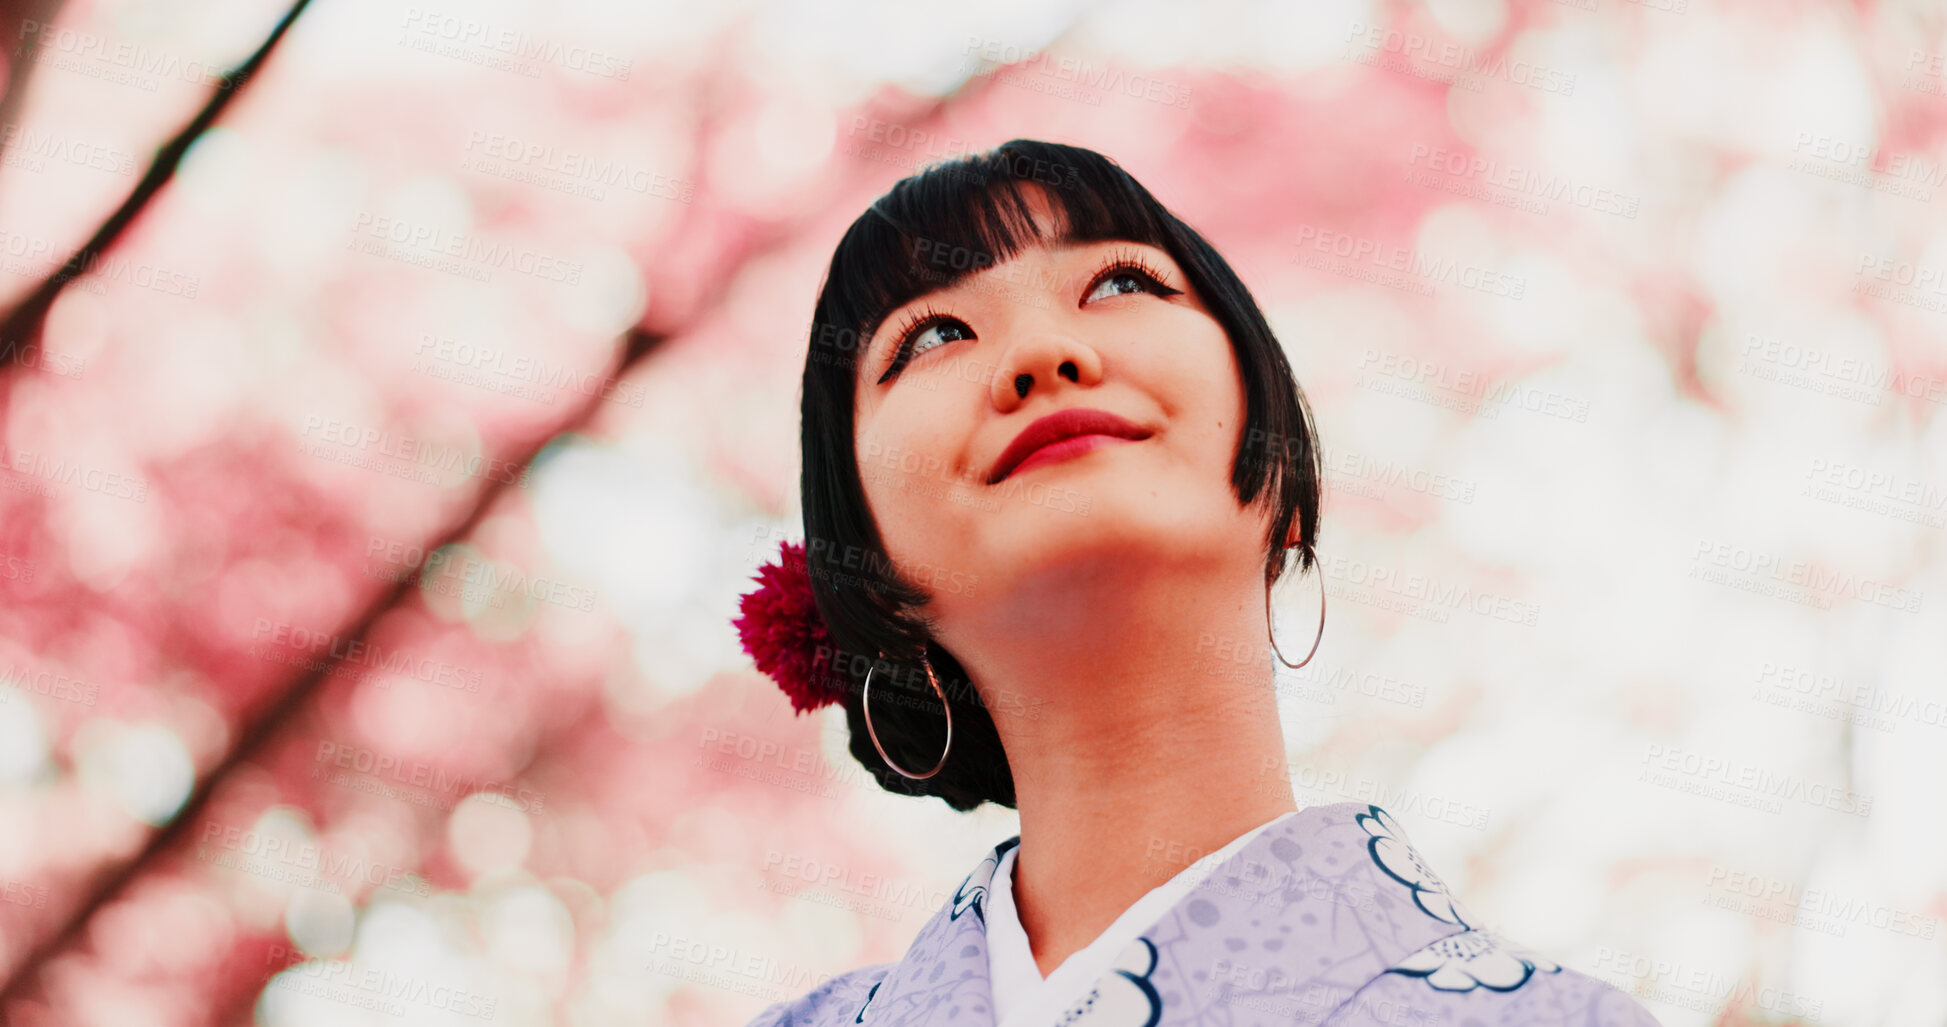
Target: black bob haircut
[(929, 231)]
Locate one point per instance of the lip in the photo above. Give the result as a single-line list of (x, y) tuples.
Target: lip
[(1061, 426)]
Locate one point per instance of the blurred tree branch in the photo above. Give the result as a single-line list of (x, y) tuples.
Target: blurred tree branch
[(23, 990), (21, 331), (14, 19)]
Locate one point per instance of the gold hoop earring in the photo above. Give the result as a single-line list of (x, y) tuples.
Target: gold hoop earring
[(1273, 635), (865, 708)]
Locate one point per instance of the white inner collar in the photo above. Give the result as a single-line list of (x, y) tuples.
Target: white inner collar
[(1022, 997)]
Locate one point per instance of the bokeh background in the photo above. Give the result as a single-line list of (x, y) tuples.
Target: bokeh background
[(397, 399)]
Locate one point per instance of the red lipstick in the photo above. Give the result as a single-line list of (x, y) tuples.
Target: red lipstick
[(1084, 426)]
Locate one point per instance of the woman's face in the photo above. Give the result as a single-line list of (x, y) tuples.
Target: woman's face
[(1077, 328)]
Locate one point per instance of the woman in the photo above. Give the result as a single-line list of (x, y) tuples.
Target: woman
[(1054, 461)]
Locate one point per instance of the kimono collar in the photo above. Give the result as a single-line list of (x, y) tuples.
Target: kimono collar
[(1294, 923)]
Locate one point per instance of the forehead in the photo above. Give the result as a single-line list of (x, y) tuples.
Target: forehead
[(989, 230), (956, 266)]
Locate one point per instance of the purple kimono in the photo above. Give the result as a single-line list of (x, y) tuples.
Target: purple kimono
[(1328, 917)]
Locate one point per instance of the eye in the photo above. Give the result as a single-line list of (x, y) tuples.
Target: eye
[(937, 333), (924, 330), (1125, 273)]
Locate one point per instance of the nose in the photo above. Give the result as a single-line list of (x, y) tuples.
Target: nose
[(1038, 363)]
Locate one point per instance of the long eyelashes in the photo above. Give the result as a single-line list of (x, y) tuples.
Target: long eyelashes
[(909, 329), (1131, 262), (1121, 262)]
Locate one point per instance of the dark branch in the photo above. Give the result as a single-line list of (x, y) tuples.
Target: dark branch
[(21, 331)]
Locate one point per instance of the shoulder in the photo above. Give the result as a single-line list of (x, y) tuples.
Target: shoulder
[(836, 1001), (1479, 977), (846, 999)]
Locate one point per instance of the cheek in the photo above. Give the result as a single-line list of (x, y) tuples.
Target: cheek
[(910, 477), (902, 446), (928, 536), (1198, 383)]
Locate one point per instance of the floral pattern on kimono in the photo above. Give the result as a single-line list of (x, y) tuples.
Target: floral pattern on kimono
[(1328, 918)]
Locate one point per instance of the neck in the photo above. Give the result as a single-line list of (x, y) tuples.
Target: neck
[(1138, 752)]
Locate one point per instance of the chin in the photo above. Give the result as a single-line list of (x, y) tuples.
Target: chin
[(1119, 528)]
